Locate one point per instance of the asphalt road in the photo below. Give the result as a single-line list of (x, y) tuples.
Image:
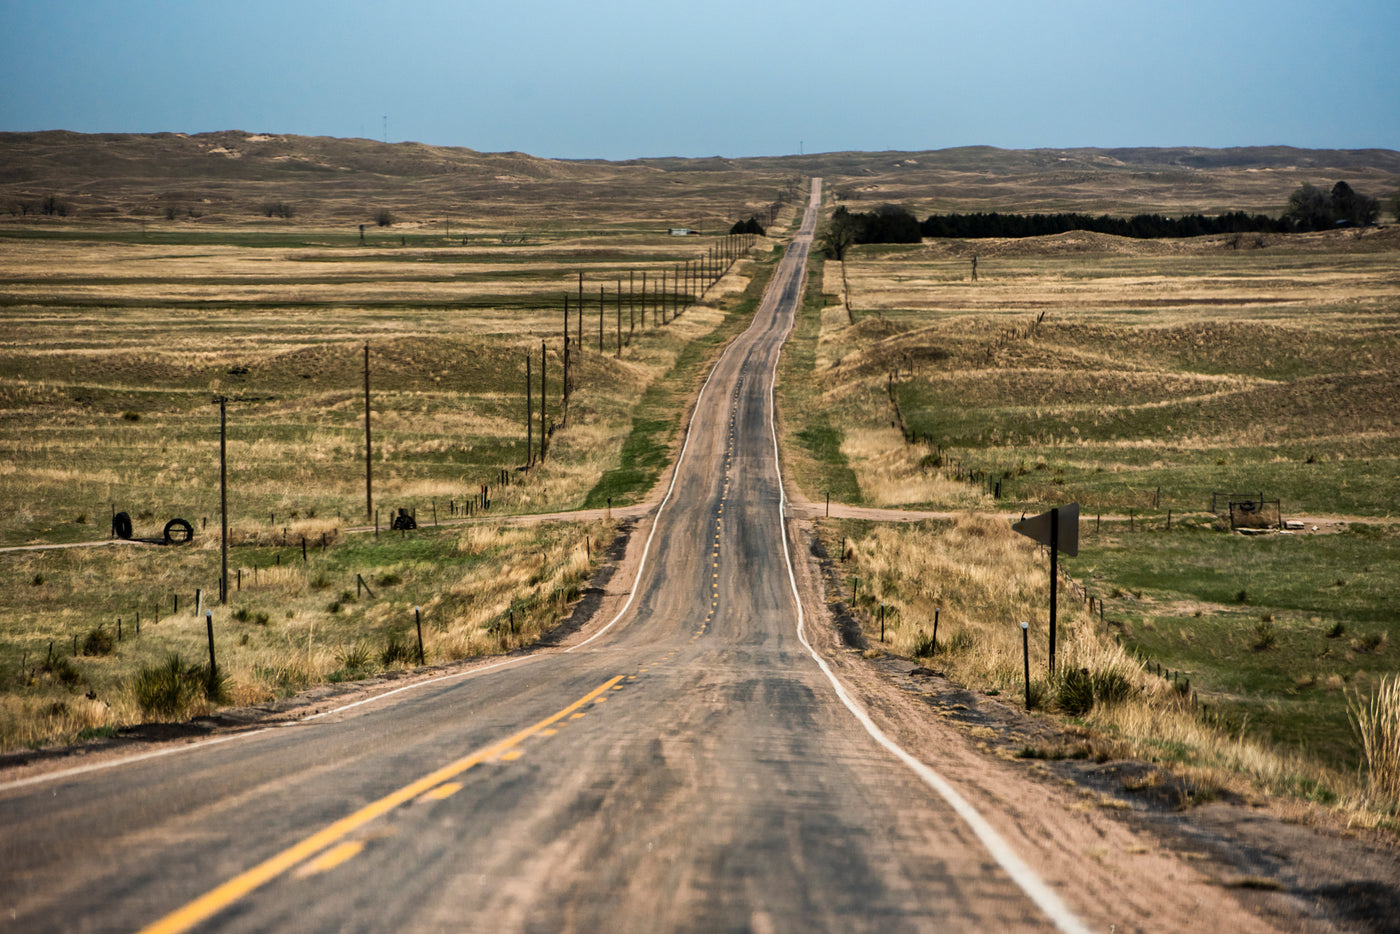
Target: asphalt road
[(690, 768)]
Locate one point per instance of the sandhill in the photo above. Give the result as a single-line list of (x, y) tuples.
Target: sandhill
[(235, 177)]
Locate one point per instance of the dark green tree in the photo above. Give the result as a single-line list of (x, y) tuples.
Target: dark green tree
[(1309, 208), (840, 234), (1352, 207)]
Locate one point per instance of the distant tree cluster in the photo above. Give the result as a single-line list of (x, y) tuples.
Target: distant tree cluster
[(1311, 208), (49, 205), (283, 209), (1140, 226), (889, 223), (750, 226)]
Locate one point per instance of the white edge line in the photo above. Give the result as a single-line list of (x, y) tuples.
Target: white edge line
[(1022, 874), (412, 687), (125, 760), (187, 747)]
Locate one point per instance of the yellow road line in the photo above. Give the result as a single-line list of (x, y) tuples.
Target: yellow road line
[(332, 858), (442, 791), (215, 900)]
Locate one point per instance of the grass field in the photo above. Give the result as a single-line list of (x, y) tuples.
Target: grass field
[(1137, 379), (116, 346)]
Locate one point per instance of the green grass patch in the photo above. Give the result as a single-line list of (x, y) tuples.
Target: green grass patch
[(1319, 619), (820, 467), (657, 422)]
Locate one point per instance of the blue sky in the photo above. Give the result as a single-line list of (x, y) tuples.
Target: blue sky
[(618, 79)]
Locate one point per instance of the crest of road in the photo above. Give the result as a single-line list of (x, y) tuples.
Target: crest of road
[(684, 763)]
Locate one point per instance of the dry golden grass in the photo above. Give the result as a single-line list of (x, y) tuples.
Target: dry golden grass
[(1157, 373), (985, 579), (482, 589), (118, 336), (1377, 720)]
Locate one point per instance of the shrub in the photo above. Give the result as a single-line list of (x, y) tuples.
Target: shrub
[(1265, 637), (1078, 690), (355, 659), (1074, 691), (169, 688), (1112, 687), (1372, 642), (1377, 724), (98, 641), (62, 668), (396, 651), (383, 218)]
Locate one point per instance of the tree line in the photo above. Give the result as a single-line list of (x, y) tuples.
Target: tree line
[(1139, 226), (1309, 208)]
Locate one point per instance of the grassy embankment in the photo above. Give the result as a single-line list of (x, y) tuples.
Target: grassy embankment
[(105, 388), (1158, 375)]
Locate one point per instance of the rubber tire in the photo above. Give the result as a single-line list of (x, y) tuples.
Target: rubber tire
[(121, 526), (175, 525)]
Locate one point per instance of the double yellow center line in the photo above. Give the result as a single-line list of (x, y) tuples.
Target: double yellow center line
[(210, 903)]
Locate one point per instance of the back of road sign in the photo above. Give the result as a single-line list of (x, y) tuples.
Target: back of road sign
[(1037, 528)]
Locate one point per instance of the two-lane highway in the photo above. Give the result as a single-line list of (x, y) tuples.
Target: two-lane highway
[(685, 766)]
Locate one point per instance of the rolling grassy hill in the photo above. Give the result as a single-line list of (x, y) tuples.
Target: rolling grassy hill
[(229, 177)]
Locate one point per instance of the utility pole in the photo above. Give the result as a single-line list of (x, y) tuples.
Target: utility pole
[(566, 357), (619, 319), (223, 499), (529, 415), (602, 306), (369, 450), (542, 400)]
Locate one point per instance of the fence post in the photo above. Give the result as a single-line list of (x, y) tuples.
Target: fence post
[(418, 621), (1026, 657), (213, 667)]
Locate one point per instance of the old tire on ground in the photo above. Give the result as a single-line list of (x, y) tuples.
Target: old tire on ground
[(121, 526), (178, 531)]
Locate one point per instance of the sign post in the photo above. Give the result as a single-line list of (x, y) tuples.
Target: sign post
[(1059, 529)]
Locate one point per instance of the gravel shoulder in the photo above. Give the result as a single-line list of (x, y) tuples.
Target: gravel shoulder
[(1124, 860)]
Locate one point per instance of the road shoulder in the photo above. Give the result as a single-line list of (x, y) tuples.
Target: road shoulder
[(1123, 859)]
